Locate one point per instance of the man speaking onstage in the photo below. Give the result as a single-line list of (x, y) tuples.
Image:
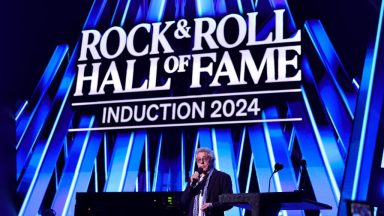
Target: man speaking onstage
[(201, 196)]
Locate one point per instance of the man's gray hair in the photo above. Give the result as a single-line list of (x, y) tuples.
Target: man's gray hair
[(209, 152)]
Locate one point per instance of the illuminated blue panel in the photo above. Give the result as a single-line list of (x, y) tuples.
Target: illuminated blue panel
[(224, 153), (20, 113), (147, 169), (220, 7), (57, 132), (47, 162), (284, 180), (205, 8), (280, 151), (106, 155), (250, 168), (371, 134), (244, 6), (260, 155), (41, 107), (282, 4), (71, 170), (180, 8), (119, 162), (324, 187), (240, 6), (49, 155), (168, 170), (30, 170), (121, 11), (128, 11), (339, 78), (94, 14), (195, 146), (85, 172), (248, 183), (156, 10), (30, 136), (223, 147), (141, 13), (182, 154), (267, 7), (134, 160), (240, 157), (156, 171), (127, 4), (376, 103), (339, 102), (272, 159), (365, 131), (40, 91), (382, 160), (322, 150), (329, 142), (205, 138), (291, 140)]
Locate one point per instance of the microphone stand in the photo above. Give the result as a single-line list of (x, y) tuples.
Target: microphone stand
[(278, 167), (269, 182)]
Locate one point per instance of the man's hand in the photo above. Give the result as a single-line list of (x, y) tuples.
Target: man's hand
[(195, 177), (206, 206)]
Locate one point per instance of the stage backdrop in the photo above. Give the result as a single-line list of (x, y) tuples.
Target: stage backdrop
[(125, 106)]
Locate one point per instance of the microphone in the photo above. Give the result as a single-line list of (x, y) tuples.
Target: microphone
[(278, 167), (200, 170), (195, 181)]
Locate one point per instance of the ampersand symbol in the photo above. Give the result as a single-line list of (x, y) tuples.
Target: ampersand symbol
[(182, 30)]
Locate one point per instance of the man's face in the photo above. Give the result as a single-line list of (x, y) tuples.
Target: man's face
[(203, 161)]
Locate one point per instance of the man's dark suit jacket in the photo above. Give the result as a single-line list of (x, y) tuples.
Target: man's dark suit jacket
[(220, 183)]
